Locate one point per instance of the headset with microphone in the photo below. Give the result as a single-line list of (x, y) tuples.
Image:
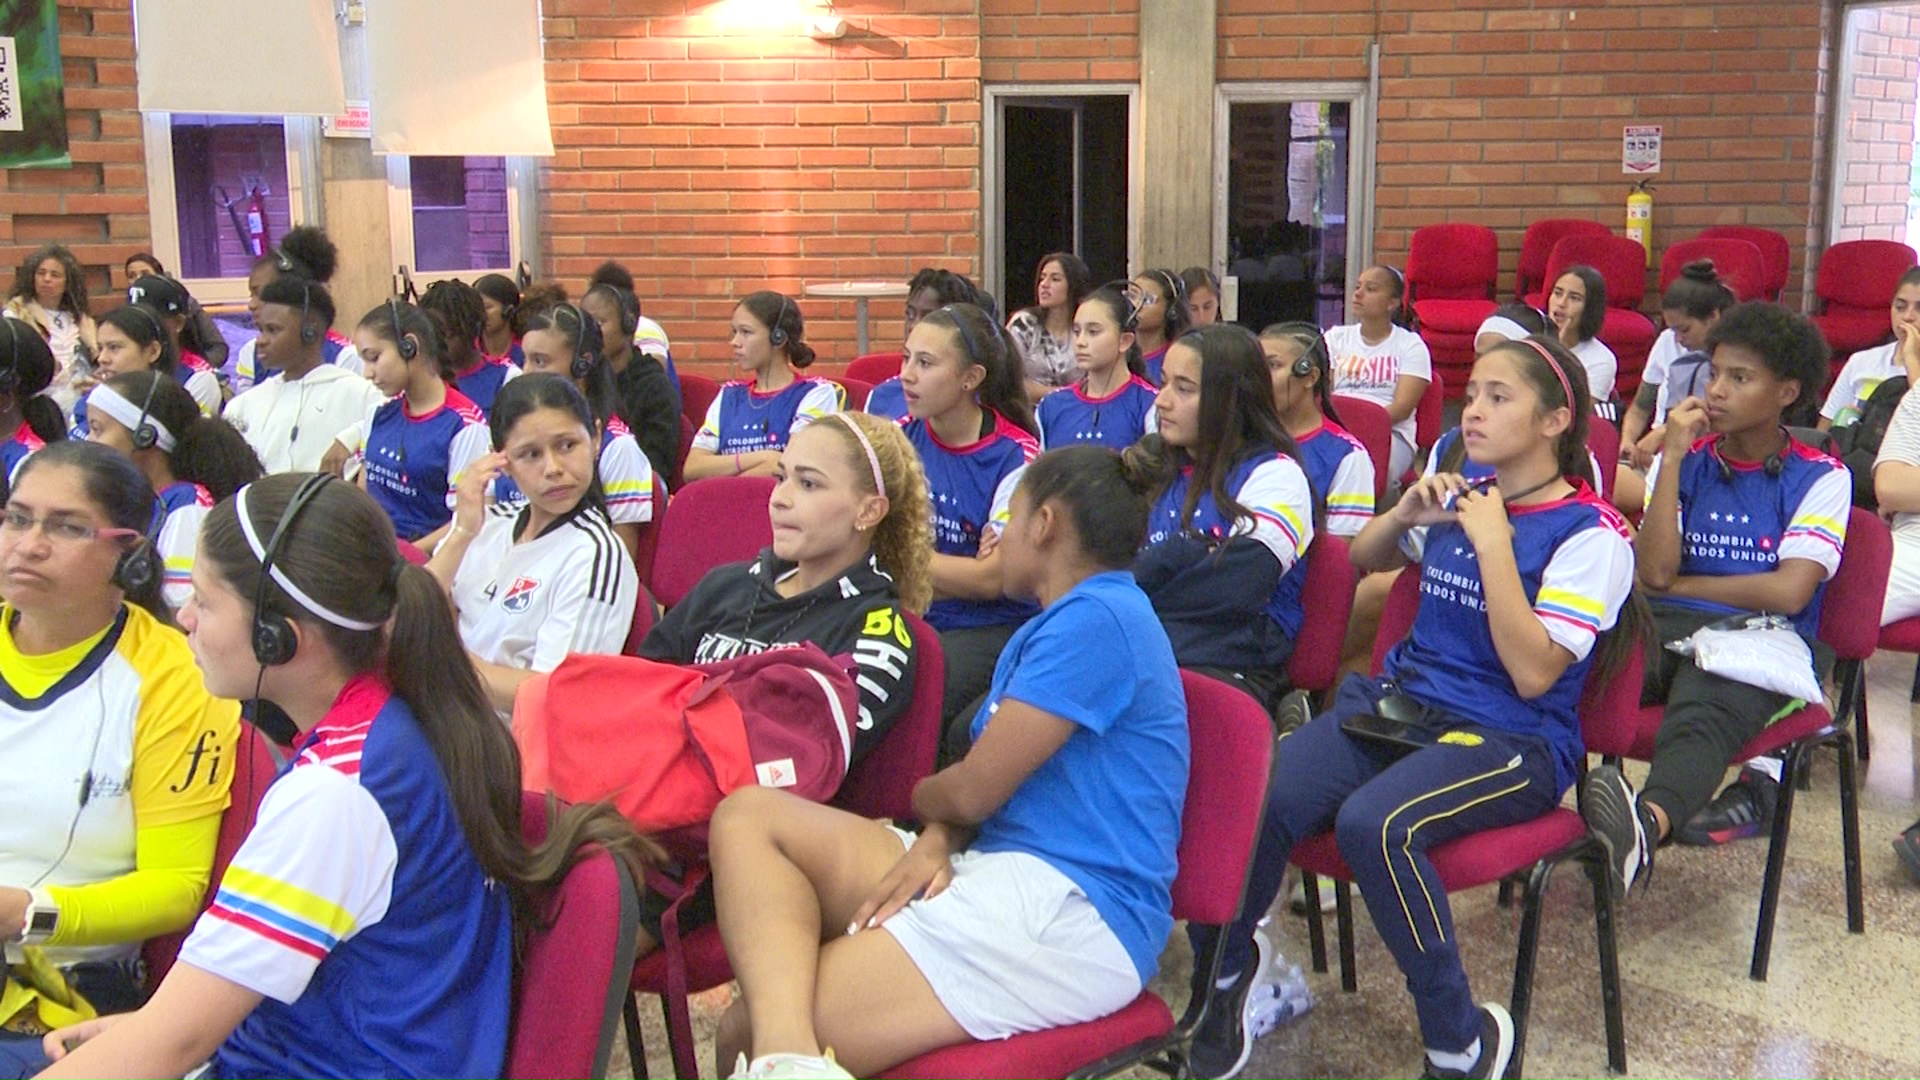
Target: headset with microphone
[(1314, 356), (308, 335), (627, 303), (403, 342), (777, 335), (273, 637), (1775, 464), (1176, 295), (583, 362), (145, 434)]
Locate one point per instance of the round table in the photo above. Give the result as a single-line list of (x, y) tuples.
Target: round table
[(859, 292)]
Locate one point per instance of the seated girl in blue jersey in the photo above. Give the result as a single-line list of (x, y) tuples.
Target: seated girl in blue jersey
[(1232, 514), (929, 290), (192, 461), (564, 340), (1741, 517), (1337, 464), (392, 836), (112, 806), (463, 318), (969, 422), (29, 418), (132, 339), (1160, 317), (544, 576), (1112, 403), (751, 419), (1376, 358), (1038, 892), (1520, 577), (413, 448), (1577, 307)]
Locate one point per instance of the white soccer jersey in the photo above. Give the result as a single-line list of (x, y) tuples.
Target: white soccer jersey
[(527, 605)]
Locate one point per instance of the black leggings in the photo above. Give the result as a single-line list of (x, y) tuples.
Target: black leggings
[(971, 654)]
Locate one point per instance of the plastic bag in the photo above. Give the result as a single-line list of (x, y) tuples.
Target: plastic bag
[(1758, 650)]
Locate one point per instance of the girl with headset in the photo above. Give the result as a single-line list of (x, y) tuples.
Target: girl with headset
[(461, 317), (751, 420), (1376, 358), (1741, 517), (1112, 404), (191, 461), (500, 332), (134, 337), (1160, 316), (392, 836), (648, 399), (543, 576), (307, 254), (1337, 464), (122, 759), (1203, 295), (199, 326), (412, 449), (174, 305), (29, 418)]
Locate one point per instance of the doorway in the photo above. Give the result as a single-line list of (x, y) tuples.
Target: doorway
[(1059, 176)]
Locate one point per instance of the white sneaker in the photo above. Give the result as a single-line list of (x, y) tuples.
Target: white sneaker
[(789, 1067)]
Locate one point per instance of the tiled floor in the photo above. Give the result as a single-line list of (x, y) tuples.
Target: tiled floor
[(1835, 1005)]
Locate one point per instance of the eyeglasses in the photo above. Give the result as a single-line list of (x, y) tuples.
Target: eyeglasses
[(66, 530)]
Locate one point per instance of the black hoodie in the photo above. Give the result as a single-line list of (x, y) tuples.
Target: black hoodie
[(736, 611)]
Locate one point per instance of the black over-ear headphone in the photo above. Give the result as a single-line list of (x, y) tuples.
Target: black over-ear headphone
[(627, 303), (274, 641), (308, 335), (777, 333), (1129, 311), (145, 435), (160, 336), (583, 362), (137, 568), (1315, 354), (1775, 464), (1176, 295), (407, 347)]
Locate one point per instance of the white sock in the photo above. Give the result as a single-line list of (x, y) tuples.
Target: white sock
[(1772, 766), (1459, 1062)]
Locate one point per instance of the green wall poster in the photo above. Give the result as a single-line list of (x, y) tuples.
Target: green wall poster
[(33, 110)]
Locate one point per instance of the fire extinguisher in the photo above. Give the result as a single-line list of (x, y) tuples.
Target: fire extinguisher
[(257, 221), (1640, 216)]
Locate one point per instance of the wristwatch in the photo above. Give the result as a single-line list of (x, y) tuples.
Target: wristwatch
[(43, 918)]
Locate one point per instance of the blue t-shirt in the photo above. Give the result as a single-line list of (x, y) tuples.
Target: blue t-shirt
[(411, 463), (1576, 566), (482, 382), (888, 400), (16, 448), (1154, 361), (1105, 809), (1068, 415), (971, 488)]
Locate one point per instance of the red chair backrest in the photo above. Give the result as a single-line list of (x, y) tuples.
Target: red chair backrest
[(1456, 261), (1621, 262), (1739, 263), (250, 780), (1849, 610), (572, 979), (1396, 618), (880, 785), (853, 392), (649, 544), (711, 522), (643, 620), (687, 428), (1776, 252), (1231, 740), (875, 368), (1536, 247), (1367, 421), (1862, 273), (1603, 442), (696, 396), (1428, 414), (1328, 595)]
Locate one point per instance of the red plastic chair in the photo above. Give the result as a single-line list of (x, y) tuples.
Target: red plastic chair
[(1775, 251), (1452, 272), (642, 625), (719, 520), (1603, 442), (880, 785), (1328, 594), (1740, 264), (875, 368), (572, 975), (1232, 747), (853, 392), (1533, 848), (1367, 421), (1847, 624), (1855, 285), (1536, 247), (687, 429), (696, 396), (649, 544), (250, 782), (1427, 418), (1902, 636)]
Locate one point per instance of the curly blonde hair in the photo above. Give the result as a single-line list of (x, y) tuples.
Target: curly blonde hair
[(903, 541)]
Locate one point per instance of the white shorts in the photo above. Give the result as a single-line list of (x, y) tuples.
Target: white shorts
[(1903, 583), (1012, 945)]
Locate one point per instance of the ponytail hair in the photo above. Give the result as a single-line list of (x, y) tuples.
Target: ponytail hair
[(26, 369), (500, 289), (903, 541), (1104, 494), (1120, 310), (207, 451), (142, 325), (777, 311), (116, 485), (1698, 292), (343, 554), (1313, 348), (462, 318), (985, 342), (1397, 288), (396, 319)]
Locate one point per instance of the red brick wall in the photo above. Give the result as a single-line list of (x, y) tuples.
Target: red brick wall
[(1038, 41), (1876, 174)]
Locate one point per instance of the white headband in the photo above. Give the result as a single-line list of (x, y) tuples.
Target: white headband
[(106, 399), (279, 578), (1500, 324)]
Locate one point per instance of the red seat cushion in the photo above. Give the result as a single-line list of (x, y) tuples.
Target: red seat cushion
[(1796, 726), (1453, 316), (1470, 861), (1903, 636), (1055, 1052)]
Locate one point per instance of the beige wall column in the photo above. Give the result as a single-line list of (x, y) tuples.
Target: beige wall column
[(1176, 131), (353, 187)]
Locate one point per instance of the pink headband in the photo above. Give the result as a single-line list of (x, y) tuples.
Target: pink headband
[(1565, 386), (873, 459)]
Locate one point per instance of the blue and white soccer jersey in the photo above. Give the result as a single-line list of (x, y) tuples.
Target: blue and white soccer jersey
[(412, 463), (1342, 475), (626, 478), (971, 488), (1069, 416), (743, 420), (357, 909), (481, 383), (888, 399), (178, 511), (1274, 488)]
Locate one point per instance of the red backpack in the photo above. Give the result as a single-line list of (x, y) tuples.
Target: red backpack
[(664, 743)]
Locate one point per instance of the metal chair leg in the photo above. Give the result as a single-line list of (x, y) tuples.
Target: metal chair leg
[(1316, 923), (636, 1041), (1850, 834), (1526, 958), (1343, 922), (1604, 927), (1792, 771)]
